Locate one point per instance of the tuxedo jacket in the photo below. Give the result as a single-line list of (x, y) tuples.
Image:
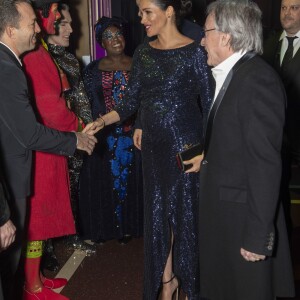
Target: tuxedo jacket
[(291, 81), (20, 133), (4, 208), (239, 189)]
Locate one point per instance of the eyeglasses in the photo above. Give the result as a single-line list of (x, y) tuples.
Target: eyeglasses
[(108, 35), (206, 30)]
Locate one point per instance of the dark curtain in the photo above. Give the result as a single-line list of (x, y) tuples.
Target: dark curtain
[(271, 11), (134, 31), (198, 12)]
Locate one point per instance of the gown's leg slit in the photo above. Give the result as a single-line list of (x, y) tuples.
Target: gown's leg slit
[(169, 280)]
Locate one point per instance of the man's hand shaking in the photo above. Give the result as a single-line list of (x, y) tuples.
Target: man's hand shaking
[(85, 142)]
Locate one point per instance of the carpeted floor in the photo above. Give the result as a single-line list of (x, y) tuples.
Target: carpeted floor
[(115, 272)]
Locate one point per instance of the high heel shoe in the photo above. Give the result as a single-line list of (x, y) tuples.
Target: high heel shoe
[(175, 294), (125, 239)]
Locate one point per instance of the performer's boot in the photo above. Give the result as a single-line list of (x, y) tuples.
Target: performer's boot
[(49, 259), (34, 288), (53, 283)]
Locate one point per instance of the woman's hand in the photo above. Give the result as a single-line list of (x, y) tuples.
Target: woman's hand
[(196, 162), (101, 122), (94, 127), (137, 138)]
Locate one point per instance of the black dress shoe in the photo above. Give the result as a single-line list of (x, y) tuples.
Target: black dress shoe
[(49, 259), (77, 243), (125, 239), (99, 241)]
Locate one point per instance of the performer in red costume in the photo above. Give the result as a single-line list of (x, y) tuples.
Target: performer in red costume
[(50, 212)]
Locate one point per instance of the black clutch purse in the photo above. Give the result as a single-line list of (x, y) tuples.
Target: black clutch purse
[(188, 154)]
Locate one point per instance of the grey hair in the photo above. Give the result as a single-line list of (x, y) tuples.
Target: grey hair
[(242, 20)]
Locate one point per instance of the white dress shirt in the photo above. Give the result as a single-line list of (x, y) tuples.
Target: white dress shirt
[(221, 71), (284, 45)]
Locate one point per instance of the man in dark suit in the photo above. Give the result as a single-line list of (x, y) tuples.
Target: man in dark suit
[(244, 251), (19, 131), (7, 228), (281, 51)]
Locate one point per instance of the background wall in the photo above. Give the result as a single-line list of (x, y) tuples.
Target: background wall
[(270, 9), (134, 32), (80, 40)]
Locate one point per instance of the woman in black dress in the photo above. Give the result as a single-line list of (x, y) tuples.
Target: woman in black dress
[(168, 75), (110, 202)]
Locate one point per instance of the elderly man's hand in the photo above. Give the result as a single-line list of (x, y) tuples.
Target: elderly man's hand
[(85, 142), (250, 256), (7, 235)]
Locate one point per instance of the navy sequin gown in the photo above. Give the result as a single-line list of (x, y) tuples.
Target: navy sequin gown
[(164, 87), (111, 199)]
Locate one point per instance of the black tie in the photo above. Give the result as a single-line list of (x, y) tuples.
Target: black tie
[(289, 52)]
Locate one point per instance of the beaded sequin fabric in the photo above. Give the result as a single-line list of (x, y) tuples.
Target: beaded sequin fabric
[(80, 105), (111, 202), (164, 87)]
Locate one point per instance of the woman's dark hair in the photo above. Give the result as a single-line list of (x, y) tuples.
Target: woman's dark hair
[(181, 7)]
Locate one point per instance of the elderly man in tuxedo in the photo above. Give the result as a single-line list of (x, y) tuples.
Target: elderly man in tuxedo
[(281, 50), (244, 251), (20, 133)]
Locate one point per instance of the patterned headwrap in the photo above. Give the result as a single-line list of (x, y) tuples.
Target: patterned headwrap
[(104, 22), (44, 5)]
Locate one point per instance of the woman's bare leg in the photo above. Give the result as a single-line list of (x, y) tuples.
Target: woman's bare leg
[(169, 286)]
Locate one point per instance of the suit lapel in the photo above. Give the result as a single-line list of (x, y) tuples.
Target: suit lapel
[(214, 109), (294, 62), (217, 102), (276, 63), (10, 56), (291, 67)]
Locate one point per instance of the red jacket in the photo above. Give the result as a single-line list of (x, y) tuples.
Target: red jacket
[(50, 212)]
